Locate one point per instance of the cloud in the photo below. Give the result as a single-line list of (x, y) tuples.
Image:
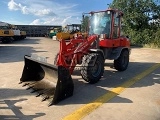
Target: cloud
[(44, 12), (14, 6), (37, 11), (55, 21), (65, 21), (48, 12), (36, 22), (25, 10)]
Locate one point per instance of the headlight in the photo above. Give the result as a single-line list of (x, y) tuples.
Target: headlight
[(103, 36)]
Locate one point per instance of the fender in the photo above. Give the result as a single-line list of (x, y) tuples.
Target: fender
[(97, 51), (117, 52)]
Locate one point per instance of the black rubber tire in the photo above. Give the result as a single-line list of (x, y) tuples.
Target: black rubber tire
[(7, 40), (121, 64), (89, 64)]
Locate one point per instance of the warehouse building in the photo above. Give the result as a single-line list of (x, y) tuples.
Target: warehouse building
[(36, 30)]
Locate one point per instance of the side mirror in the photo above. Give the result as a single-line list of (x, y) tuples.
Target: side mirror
[(127, 36)]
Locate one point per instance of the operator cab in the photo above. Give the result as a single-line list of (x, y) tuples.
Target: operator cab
[(100, 23), (106, 24)]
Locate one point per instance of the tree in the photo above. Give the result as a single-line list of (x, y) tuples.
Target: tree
[(85, 23), (141, 19)]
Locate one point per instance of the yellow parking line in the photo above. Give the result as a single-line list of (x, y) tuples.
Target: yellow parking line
[(88, 108)]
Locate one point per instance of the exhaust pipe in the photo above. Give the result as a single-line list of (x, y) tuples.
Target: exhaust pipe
[(51, 82)]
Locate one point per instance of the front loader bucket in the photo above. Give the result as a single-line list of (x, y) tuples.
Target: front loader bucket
[(51, 82)]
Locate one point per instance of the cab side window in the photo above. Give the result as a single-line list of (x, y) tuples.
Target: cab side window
[(115, 26)]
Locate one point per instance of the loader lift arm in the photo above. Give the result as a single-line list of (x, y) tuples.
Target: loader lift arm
[(74, 51)]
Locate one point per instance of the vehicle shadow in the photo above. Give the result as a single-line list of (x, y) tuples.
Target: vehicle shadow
[(85, 92), (27, 40), (88, 93), (17, 113), (112, 77), (13, 54), (134, 69)]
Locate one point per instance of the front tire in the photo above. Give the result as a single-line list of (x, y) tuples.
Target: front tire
[(92, 67)]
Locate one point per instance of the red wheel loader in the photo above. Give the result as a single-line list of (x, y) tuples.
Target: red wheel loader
[(104, 41)]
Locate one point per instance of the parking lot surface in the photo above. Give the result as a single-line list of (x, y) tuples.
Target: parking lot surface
[(129, 95)]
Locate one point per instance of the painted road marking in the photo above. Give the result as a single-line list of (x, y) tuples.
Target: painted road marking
[(88, 108)]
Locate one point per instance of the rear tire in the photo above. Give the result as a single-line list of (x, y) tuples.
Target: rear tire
[(122, 62), (92, 67)]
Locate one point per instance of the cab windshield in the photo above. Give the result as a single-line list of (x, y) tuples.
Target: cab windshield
[(100, 23)]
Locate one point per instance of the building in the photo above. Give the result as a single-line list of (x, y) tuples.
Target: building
[(36, 30)]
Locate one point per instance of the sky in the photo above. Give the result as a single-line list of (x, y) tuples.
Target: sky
[(48, 12)]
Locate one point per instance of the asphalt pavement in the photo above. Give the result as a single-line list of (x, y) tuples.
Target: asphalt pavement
[(128, 95)]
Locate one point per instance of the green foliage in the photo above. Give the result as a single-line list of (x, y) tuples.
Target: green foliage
[(85, 24), (156, 40), (138, 20)]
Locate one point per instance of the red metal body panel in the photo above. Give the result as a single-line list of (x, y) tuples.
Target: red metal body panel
[(110, 43), (74, 51), (124, 42)]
